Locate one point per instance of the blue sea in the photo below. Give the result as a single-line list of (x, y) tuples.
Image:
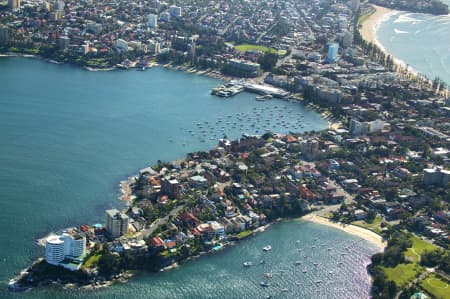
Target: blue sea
[(69, 136), (419, 40)]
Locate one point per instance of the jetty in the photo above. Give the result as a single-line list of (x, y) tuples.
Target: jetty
[(234, 87)]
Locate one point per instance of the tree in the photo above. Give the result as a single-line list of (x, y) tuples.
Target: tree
[(109, 264), (371, 214), (268, 61)]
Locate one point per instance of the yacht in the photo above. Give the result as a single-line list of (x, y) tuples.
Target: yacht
[(267, 248)]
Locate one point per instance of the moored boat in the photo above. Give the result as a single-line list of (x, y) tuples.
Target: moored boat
[(267, 248)]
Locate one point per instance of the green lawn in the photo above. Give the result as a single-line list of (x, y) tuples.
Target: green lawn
[(419, 246), (364, 17), (129, 235), (436, 286), (244, 234), (249, 47), (402, 273), (374, 226), (92, 261)]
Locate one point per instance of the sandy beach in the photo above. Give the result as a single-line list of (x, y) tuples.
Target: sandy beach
[(363, 233), (368, 32), (368, 26)]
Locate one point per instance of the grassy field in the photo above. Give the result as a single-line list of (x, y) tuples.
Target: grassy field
[(403, 273), (92, 261), (364, 17), (374, 226), (418, 248), (244, 234), (436, 286), (248, 47)]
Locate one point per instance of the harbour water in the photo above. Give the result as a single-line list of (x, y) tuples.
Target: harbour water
[(68, 136), (419, 40)]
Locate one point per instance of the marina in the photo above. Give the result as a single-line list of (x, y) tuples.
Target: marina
[(259, 120), (234, 87), (322, 271)]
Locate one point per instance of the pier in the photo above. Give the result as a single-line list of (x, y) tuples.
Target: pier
[(234, 87)]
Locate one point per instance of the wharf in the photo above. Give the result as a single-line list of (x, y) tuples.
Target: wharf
[(234, 87)]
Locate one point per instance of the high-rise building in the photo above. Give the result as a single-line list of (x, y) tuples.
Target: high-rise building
[(358, 127), (57, 248), (59, 6), (54, 250), (175, 11), (154, 47), (165, 16), (309, 148), (436, 176), (63, 42), (152, 20), (347, 38), (171, 187), (14, 4), (333, 49), (122, 45), (116, 223)]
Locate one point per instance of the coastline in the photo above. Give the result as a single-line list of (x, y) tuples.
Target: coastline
[(369, 27), (363, 233)]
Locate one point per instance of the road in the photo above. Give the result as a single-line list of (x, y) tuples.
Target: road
[(145, 233)]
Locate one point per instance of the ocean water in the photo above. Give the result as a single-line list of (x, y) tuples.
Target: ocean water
[(68, 136), (307, 260), (419, 40)]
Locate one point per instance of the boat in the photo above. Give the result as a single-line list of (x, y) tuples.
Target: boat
[(298, 263), (267, 248), (284, 290), (315, 264), (268, 275), (304, 271), (264, 284), (248, 264)]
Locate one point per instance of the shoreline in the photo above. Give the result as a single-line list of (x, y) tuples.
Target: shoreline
[(368, 30), (370, 25), (351, 229)]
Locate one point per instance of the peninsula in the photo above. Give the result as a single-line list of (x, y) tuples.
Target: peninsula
[(383, 164)]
